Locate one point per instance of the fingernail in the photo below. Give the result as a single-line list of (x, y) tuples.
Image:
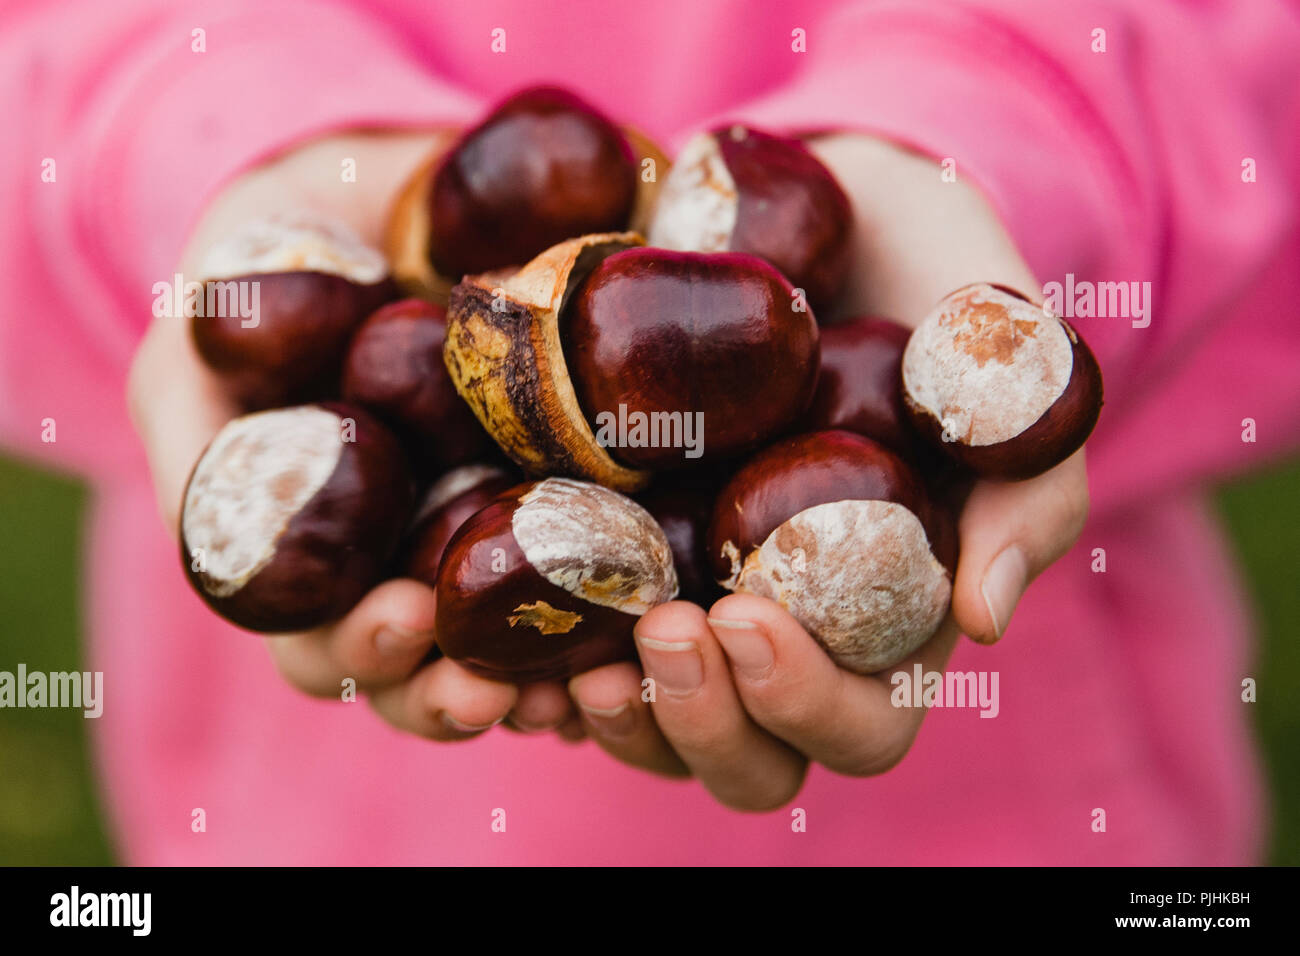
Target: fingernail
[(1004, 582), (392, 640), (524, 728), (674, 665), (456, 725), (747, 647), (613, 721)]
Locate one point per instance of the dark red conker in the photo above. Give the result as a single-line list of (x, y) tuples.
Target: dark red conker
[(312, 282), (451, 501), (395, 369), (999, 385), (683, 506), (840, 532), (712, 339), (548, 581), (291, 515), (860, 387), (545, 166), (740, 189)]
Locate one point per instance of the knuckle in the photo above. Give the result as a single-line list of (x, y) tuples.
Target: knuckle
[(1077, 504), (296, 669), (878, 757), (763, 795)]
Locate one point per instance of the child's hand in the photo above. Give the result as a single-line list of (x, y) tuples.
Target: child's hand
[(744, 698), (178, 407)]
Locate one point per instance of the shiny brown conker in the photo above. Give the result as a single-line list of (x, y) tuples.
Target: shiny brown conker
[(860, 386), (310, 282), (290, 516), (839, 531), (395, 369), (682, 505), (544, 166), (740, 189), (451, 501), (679, 357), (548, 581), (1000, 385)]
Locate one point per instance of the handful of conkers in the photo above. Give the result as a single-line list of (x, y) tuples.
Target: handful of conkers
[(485, 436)]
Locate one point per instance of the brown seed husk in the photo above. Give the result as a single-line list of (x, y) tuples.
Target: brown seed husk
[(504, 355)]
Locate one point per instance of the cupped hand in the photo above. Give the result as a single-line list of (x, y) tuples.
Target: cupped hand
[(383, 645), (743, 697)]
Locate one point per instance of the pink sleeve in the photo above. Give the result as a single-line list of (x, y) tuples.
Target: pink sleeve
[(123, 120), (1122, 164)]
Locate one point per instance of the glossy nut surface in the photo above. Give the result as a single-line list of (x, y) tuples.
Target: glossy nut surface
[(548, 581), (291, 515), (680, 341), (308, 283), (683, 506), (741, 189), (545, 166), (505, 356), (451, 501), (395, 369), (860, 386)]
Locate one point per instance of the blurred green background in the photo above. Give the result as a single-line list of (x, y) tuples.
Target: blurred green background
[(50, 812)]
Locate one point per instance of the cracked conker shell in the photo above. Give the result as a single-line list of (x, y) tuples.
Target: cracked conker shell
[(315, 282), (545, 166), (395, 369), (833, 527), (740, 189), (504, 355), (708, 338), (1000, 385), (548, 581), (291, 515)]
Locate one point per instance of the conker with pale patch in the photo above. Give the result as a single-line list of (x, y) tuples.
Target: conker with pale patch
[(451, 501), (999, 384), (310, 281), (548, 581), (290, 516), (840, 532), (395, 369), (674, 340), (739, 189), (545, 166)]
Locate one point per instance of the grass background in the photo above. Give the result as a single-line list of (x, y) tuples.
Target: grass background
[(49, 808)]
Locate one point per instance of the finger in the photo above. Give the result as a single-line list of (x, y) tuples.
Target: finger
[(792, 688), (379, 643), (697, 708), (177, 406), (1010, 532), (540, 707), (613, 713), (572, 730), (444, 701)]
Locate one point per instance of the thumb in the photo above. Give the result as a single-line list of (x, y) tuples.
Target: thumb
[(1010, 532)]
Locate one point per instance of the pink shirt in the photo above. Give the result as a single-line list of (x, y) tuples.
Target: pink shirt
[(1118, 690)]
